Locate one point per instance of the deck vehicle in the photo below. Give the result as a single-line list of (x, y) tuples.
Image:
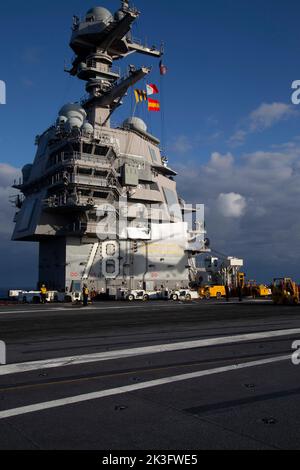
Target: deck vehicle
[(208, 292), (285, 291)]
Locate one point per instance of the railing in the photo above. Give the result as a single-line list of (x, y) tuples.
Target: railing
[(76, 227), (93, 64), (77, 156), (91, 158), (58, 202), (18, 182), (92, 227), (82, 19), (89, 180)]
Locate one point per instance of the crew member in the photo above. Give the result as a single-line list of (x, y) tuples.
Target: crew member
[(85, 295), (240, 292), (227, 291), (43, 294)]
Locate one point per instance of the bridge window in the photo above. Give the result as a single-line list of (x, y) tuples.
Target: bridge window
[(153, 154)]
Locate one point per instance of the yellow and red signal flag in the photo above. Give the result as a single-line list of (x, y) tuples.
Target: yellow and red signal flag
[(153, 105), (152, 89)]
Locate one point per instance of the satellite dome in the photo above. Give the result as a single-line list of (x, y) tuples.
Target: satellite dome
[(87, 128), (135, 123), (99, 14), (61, 120), (75, 115), (70, 108), (73, 123)]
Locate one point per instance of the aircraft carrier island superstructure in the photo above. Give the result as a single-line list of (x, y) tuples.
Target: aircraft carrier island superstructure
[(98, 199)]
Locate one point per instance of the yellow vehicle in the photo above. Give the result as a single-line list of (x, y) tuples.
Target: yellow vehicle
[(263, 291), (285, 291), (209, 292), (257, 290), (254, 290)]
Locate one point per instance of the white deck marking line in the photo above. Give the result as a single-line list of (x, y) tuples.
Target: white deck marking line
[(136, 305), (30, 311), (89, 309), (132, 388), (125, 353)]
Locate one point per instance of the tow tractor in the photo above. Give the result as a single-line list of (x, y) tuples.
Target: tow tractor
[(75, 293), (175, 295), (208, 292), (144, 295), (285, 291), (34, 297), (184, 294)]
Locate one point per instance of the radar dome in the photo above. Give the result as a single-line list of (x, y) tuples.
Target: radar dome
[(87, 128), (69, 108), (135, 123), (99, 14), (61, 120), (74, 113)]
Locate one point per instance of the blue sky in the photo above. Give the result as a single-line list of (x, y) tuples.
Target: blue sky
[(225, 58), (227, 93)]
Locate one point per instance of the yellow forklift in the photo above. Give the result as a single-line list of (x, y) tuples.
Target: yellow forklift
[(285, 292)]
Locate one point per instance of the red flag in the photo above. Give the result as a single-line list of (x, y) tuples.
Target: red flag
[(152, 89), (153, 105)]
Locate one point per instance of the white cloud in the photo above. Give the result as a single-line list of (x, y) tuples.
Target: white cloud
[(262, 118), (220, 162), (7, 176), (238, 138), (266, 115), (183, 144), (231, 205), (252, 206), (18, 260)]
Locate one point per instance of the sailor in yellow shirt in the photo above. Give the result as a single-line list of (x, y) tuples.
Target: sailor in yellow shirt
[(43, 294), (85, 295)]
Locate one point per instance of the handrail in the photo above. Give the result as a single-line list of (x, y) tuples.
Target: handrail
[(75, 156), (98, 66)]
